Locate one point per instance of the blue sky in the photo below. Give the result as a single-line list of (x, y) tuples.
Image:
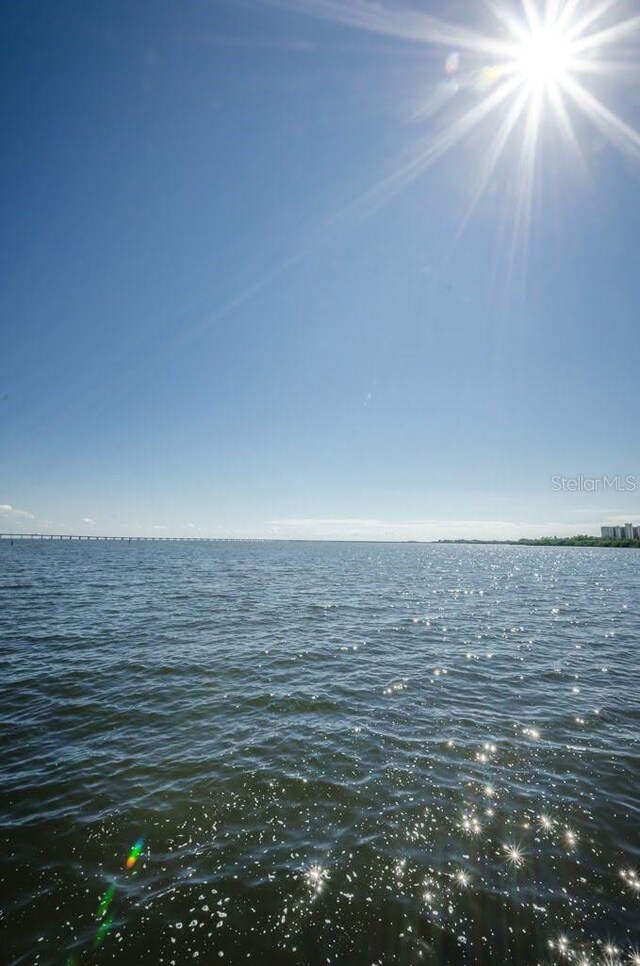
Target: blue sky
[(224, 311)]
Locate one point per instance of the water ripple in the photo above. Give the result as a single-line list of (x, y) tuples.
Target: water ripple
[(319, 753)]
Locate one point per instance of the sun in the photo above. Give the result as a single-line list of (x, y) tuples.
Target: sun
[(544, 58), (534, 71), (519, 78)]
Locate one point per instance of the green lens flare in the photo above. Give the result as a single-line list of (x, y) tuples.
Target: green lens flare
[(106, 901), (102, 931)]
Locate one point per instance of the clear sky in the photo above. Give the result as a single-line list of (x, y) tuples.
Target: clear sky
[(245, 289)]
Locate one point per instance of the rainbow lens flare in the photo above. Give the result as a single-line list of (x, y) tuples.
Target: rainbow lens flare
[(134, 854)]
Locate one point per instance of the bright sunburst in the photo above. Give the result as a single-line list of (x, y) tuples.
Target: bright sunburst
[(524, 64), (544, 57), (536, 71), (551, 50)]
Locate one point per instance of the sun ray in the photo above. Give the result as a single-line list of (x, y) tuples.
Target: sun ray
[(565, 124), (578, 27), (505, 16), (436, 101), (526, 171), (605, 38), (400, 21), (435, 148), (532, 63), (613, 127), (617, 68), (552, 11), (566, 17), (532, 14), (495, 152)]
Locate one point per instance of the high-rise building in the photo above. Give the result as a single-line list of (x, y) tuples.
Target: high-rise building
[(626, 532)]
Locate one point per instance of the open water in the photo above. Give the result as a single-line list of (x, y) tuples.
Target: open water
[(315, 753)]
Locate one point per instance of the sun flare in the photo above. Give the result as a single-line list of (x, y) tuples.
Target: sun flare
[(535, 70), (510, 72), (544, 58)]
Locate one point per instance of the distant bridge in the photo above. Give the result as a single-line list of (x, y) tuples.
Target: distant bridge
[(137, 539)]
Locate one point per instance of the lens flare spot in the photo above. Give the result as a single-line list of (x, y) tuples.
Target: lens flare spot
[(452, 63), (134, 854)]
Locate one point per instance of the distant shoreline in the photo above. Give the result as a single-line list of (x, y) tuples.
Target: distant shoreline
[(581, 540)]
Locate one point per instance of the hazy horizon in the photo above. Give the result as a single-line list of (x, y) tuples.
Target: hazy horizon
[(375, 531)]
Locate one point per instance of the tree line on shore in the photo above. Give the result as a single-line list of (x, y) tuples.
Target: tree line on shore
[(580, 540)]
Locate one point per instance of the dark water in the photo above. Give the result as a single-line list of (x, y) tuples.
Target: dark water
[(327, 753)]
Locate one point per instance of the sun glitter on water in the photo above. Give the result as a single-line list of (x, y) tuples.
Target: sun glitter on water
[(316, 876), (515, 855)]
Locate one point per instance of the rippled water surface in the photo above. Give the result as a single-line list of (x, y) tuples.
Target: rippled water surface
[(319, 753)]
